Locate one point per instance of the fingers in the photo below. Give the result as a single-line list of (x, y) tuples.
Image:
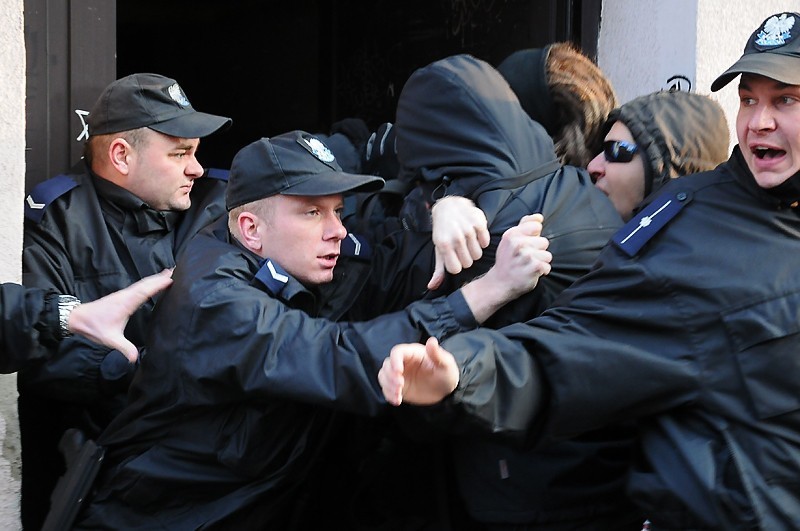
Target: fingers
[(438, 272), (142, 290), (391, 376)]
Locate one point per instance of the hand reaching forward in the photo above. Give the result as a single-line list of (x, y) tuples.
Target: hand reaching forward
[(418, 374), (522, 257), (460, 233), (103, 320)]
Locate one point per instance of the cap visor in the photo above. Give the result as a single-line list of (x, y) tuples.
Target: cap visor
[(330, 183), (772, 65), (192, 125)]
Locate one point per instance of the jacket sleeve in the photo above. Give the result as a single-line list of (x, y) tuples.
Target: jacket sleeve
[(243, 339), (72, 366), (591, 360), (29, 317)]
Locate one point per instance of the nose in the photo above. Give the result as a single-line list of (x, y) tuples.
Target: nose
[(194, 169), (334, 229), (597, 167), (761, 119)]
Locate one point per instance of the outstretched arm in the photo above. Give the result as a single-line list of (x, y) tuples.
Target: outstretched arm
[(425, 374), (103, 320)]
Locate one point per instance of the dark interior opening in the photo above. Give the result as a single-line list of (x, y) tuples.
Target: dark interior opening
[(277, 66)]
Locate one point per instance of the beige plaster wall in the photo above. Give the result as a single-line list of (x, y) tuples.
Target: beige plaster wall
[(643, 43), (12, 184)]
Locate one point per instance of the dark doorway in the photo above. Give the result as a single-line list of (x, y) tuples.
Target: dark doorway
[(277, 66)]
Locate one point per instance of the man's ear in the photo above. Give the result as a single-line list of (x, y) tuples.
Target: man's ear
[(248, 231), (119, 155)]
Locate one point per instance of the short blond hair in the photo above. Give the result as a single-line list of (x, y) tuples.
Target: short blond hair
[(264, 208)]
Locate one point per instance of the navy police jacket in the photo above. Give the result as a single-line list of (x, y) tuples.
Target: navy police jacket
[(233, 405), (29, 316), (688, 323), (69, 248)]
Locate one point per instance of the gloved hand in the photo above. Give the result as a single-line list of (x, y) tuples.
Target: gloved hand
[(380, 154)]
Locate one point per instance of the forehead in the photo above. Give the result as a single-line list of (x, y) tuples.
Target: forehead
[(170, 142), (619, 131), (309, 200), (756, 81)]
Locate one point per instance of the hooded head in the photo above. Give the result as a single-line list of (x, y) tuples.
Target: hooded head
[(458, 118), (562, 89), (676, 133)]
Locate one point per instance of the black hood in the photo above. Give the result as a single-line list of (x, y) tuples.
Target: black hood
[(458, 117)]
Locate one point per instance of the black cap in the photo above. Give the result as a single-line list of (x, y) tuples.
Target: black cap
[(773, 50), (154, 101), (295, 163)]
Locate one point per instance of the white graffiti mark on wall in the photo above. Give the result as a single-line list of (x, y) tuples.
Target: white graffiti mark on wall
[(85, 131), (678, 83)]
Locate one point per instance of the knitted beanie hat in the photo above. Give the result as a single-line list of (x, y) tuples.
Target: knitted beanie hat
[(678, 133)]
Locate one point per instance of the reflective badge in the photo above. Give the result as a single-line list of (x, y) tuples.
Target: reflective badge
[(776, 32), (646, 224), (318, 149), (177, 95)]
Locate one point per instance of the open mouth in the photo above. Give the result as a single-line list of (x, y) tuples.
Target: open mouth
[(765, 153)]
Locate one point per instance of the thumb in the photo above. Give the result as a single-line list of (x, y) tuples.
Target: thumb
[(127, 348), (434, 351), (438, 272)]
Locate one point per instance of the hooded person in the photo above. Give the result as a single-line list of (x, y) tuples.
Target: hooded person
[(460, 130), (654, 138)]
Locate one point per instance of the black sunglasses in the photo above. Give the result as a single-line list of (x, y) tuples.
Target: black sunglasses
[(619, 150)]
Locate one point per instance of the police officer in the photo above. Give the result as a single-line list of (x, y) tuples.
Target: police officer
[(222, 430), (123, 214), (32, 315), (688, 323)]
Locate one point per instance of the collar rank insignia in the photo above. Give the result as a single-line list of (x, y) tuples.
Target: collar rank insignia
[(356, 246), (646, 224), (45, 193), (272, 276)]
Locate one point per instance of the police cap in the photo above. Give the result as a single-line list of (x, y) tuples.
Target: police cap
[(294, 163), (154, 101), (773, 50)]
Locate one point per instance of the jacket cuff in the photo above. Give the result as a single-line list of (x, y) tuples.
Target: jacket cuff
[(461, 310)]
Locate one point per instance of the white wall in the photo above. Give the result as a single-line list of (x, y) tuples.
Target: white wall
[(643, 43), (12, 184)]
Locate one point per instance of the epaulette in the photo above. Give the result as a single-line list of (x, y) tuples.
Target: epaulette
[(651, 219), (45, 193), (355, 246), (272, 276), (218, 173)]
